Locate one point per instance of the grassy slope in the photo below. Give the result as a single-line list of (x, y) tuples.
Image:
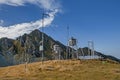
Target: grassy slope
[(63, 70)]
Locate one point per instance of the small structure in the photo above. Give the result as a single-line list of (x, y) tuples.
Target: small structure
[(72, 42), (57, 49), (41, 50), (73, 45)]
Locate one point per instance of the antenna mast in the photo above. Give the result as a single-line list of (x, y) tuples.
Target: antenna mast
[(67, 49), (42, 36), (42, 42)]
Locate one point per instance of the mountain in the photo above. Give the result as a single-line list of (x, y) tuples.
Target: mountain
[(26, 48), (99, 54)]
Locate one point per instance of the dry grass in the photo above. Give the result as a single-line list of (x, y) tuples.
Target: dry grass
[(63, 70)]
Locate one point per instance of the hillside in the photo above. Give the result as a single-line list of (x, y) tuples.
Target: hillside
[(63, 70), (14, 52)]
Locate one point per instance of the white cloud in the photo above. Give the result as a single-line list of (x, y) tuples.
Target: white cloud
[(20, 29), (46, 4)]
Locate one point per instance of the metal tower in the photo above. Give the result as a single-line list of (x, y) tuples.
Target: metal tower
[(73, 45), (91, 49)]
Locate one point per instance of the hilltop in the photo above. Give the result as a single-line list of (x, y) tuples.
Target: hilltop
[(63, 70)]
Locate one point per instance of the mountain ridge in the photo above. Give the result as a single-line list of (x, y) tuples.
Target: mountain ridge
[(15, 51)]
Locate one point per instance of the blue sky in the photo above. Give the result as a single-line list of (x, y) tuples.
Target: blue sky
[(97, 20)]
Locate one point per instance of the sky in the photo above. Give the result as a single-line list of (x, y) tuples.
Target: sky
[(96, 20)]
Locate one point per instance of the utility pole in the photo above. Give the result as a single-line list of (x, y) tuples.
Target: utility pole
[(67, 49), (25, 55), (42, 36), (42, 42)]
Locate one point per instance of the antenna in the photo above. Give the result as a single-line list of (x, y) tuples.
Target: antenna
[(42, 36), (26, 59), (42, 42), (67, 49), (22, 60)]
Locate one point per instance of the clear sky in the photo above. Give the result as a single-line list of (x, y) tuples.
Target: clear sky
[(97, 20)]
